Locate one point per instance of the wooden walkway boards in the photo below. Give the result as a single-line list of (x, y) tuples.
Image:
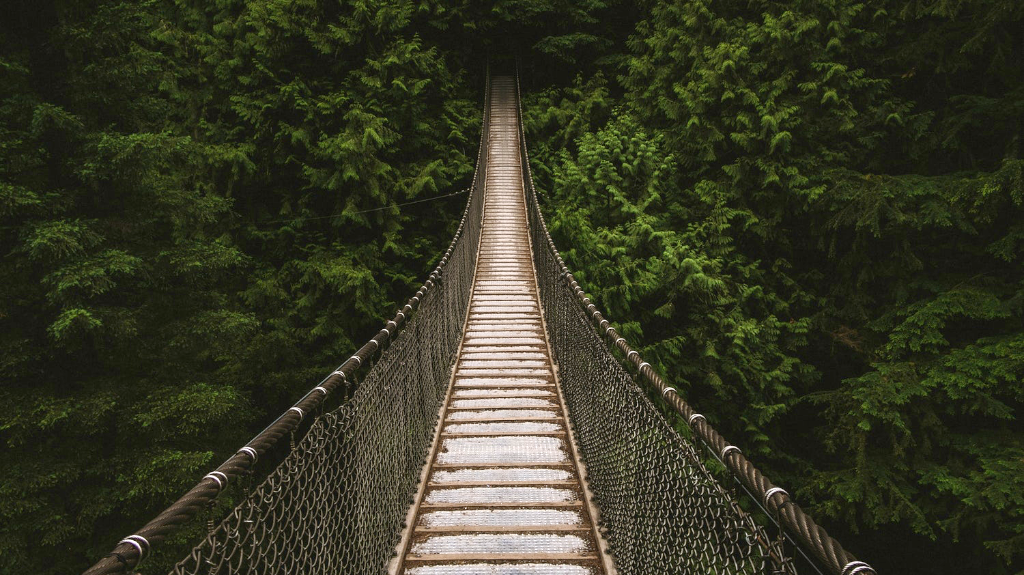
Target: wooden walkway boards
[(503, 494)]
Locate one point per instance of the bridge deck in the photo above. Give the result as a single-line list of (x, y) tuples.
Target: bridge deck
[(503, 493)]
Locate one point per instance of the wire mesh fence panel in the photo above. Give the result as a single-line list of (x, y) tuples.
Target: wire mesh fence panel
[(338, 501), (661, 510), (660, 507)]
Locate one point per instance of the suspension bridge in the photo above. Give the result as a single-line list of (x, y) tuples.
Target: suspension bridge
[(498, 425)]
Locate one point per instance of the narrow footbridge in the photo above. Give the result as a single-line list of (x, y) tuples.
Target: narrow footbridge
[(498, 425)]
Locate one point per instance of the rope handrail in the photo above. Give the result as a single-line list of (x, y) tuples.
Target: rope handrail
[(133, 549), (800, 526)]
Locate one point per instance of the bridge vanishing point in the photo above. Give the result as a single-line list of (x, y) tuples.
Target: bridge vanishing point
[(491, 429)]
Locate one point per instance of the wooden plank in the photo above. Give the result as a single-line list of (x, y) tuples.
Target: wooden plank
[(517, 464), (457, 557), (502, 529), (504, 433), (549, 483)]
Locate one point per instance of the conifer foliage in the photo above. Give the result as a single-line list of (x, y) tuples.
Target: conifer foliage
[(809, 213)]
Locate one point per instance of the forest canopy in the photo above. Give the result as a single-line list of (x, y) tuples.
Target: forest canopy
[(808, 216)]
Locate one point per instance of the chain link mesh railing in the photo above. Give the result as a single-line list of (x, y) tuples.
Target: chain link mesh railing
[(661, 509), (338, 500), (337, 503)]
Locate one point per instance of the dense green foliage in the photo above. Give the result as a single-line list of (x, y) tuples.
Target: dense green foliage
[(807, 214), (810, 213)]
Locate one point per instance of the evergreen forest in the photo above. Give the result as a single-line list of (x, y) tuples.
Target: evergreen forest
[(808, 216)]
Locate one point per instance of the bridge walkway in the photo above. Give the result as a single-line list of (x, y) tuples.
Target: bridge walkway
[(503, 494)]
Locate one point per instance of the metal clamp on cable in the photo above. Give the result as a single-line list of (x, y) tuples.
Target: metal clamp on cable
[(695, 417), (139, 543), (854, 567), (142, 540), (668, 389), (727, 450), (768, 494), (298, 410), (250, 452), (219, 477), (322, 389)]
